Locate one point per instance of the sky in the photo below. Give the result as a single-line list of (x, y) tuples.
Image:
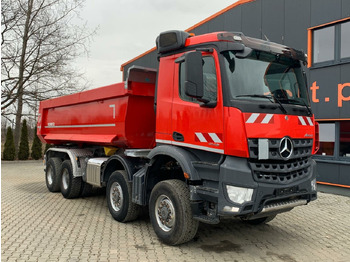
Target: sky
[(127, 28)]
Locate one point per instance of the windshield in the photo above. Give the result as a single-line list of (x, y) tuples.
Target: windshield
[(263, 75)]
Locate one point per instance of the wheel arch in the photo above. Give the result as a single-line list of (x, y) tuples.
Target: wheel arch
[(119, 162), (74, 155), (169, 162), (52, 152), (180, 155)]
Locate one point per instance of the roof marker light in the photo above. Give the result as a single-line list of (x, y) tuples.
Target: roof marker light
[(237, 38)]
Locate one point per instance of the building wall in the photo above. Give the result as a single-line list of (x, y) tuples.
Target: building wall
[(287, 22)]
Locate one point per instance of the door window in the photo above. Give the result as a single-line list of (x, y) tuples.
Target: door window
[(209, 81)]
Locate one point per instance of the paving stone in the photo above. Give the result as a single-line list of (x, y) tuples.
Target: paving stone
[(41, 226)]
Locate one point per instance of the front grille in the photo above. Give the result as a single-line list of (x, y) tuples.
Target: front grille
[(302, 148), (280, 172), (277, 170)]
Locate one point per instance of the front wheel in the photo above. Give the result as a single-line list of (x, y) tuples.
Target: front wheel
[(119, 197), (170, 212)]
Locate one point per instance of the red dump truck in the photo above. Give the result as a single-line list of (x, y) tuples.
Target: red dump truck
[(222, 129)]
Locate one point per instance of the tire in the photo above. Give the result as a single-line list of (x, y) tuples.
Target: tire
[(119, 197), (261, 220), (171, 214), (70, 185), (53, 173), (86, 190)]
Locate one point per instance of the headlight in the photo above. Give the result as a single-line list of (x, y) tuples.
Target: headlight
[(313, 185), (239, 194)]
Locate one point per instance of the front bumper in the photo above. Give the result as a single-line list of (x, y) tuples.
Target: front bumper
[(268, 198)]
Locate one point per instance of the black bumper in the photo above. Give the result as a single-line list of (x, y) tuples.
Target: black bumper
[(267, 197)]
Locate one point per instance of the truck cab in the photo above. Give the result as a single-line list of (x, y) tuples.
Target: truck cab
[(241, 106)]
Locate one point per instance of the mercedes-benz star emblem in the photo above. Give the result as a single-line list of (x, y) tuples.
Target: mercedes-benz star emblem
[(286, 147)]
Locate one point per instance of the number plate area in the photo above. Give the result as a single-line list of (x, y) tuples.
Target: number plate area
[(287, 191)]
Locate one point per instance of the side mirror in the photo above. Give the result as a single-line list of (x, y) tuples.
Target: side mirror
[(194, 75)]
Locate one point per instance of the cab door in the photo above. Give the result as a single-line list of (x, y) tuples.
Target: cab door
[(197, 124)]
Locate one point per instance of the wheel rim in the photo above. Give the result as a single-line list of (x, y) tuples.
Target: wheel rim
[(165, 213), (116, 196), (65, 179), (49, 175)]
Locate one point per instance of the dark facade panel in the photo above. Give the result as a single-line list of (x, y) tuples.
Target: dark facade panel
[(327, 172), (345, 8), (200, 30), (297, 20), (149, 60), (327, 79), (273, 20), (154, 60), (233, 20), (251, 19), (344, 178), (325, 11), (216, 24), (344, 91)]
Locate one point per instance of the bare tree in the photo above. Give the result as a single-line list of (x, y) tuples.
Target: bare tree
[(39, 43)]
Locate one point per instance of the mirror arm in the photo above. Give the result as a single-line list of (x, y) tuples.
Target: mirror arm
[(209, 104), (180, 59), (203, 49)]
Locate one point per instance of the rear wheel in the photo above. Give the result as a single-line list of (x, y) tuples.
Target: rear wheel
[(70, 185), (52, 174), (119, 197), (170, 212)]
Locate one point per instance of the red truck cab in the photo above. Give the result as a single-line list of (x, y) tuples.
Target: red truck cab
[(247, 102)]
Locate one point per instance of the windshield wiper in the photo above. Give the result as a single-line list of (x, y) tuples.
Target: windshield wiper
[(269, 97), (307, 107), (281, 106), (272, 98), (302, 102)]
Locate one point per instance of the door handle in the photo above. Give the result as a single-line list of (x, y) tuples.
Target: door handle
[(178, 136)]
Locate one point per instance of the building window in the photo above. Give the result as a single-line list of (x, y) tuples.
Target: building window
[(327, 139), (324, 44), (345, 40), (334, 141), (330, 43), (209, 81), (344, 139)]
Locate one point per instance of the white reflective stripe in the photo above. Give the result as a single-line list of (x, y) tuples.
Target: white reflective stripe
[(75, 126), (205, 148), (215, 138), (252, 118), (201, 137), (309, 120), (267, 119), (302, 120)]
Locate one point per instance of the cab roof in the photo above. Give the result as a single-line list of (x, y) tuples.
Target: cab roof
[(171, 41)]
